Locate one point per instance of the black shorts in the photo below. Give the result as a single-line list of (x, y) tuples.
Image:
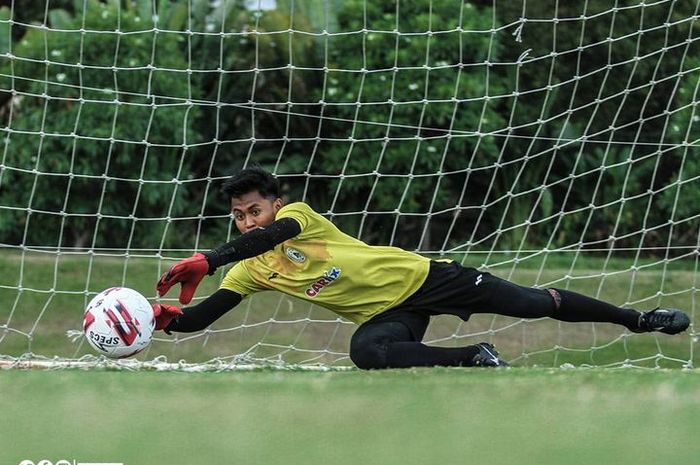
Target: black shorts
[(452, 289)]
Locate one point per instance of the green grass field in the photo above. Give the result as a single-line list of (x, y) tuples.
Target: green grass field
[(425, 416)]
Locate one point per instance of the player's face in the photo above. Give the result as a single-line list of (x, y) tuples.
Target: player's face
[(252, 210)]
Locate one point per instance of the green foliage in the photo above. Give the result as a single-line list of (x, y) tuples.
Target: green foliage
[(391, 94), (246, 60), (66, 127), (5, 31), (391, 99), (681, 193), (242, 56), (618, 59)]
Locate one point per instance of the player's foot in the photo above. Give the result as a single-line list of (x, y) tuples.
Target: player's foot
[(665, 320), (487, 356)]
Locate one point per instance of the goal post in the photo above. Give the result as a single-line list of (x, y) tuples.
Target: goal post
[(549, 143)]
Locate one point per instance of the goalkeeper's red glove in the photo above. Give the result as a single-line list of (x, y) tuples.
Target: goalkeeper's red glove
[(189, 272), (164, 314)]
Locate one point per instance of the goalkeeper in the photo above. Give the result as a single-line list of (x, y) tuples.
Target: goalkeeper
[(389, 292)]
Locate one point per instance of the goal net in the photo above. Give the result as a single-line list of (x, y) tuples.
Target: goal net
[(550, 143)]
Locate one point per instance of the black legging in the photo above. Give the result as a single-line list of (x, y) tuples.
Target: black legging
[(393, 339)]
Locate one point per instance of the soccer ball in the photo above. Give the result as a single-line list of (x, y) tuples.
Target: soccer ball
[(119, 322)]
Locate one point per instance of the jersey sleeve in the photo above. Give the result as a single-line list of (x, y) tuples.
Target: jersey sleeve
[(238, 280), (305, 216)]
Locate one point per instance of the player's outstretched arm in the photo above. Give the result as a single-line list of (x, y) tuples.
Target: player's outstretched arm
[(187, 320), (190, 271)]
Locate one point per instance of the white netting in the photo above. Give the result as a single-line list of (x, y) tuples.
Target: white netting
[(551, 143)]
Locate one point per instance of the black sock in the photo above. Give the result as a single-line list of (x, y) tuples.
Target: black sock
[(416, 354), (577, 307)]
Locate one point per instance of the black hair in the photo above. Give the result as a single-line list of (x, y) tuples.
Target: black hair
[(250, 180)]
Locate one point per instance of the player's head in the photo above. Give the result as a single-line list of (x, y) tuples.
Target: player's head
[(255, 198)]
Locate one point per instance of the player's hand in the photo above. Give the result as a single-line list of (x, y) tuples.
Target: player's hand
[(164, 314), (189, 272)]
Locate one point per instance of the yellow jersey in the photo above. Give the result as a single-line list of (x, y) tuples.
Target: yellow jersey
[(329, 268)]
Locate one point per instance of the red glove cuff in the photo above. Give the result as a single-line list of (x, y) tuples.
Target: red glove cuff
[(164, 314)]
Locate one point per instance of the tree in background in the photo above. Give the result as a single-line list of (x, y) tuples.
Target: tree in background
[(389, 105), (256, 104), (96, 130), (620, 79), (384, 125)]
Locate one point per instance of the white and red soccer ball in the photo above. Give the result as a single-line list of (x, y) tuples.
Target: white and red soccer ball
[(119, 322)]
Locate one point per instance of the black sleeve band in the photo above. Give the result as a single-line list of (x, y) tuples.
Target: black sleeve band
[(205, 313), (253, 243)]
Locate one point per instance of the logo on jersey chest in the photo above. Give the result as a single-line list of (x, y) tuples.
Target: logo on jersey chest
[(295, 256), (328, 278)]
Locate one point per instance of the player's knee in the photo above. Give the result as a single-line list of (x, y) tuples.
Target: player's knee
[(370, 345), (368, 357), (368, 351)]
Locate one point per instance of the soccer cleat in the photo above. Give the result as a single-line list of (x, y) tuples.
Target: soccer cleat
[(665, 320), (487, 356)]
